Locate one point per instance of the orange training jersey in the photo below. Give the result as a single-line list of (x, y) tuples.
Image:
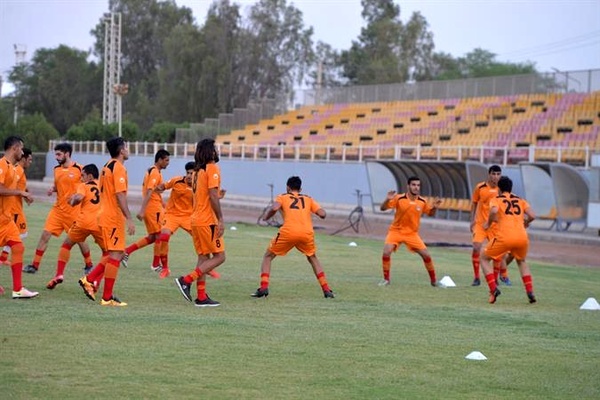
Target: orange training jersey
[(152, 179), (180, 200), (21, 185), (89, 206), (511, 212), (203, 181), (66, 180), (8, 178), (482, 195), (113, 180), (297, 209), (408, 213)]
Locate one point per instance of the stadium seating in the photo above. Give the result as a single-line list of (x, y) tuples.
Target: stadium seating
[(560, 126)]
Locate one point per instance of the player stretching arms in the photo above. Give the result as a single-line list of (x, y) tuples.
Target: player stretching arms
[(297, 231), (405, 227)]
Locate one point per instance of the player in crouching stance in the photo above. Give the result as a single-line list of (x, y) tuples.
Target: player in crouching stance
[(297, 231), (512, 215), (405, 227)]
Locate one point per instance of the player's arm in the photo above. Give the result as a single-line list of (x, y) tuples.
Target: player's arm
[(4, 191), (75, 199), (529, 216), (51, 190), (385, 205), (145, 200), (122, 203), (272, 211), (215, 204), (437, 202)]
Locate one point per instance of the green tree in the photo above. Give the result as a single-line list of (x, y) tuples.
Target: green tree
[(36, 131), (58, 83)]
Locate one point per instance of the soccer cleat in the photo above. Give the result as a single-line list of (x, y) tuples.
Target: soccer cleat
[(24, 293), (207, 302), (506, 281), (113, 302), (531, 298), (433, 283), (260, 293), (214, 274), (184, 288), (30, 269), (125, 259), (87, 269), (328, 294), (156, 268), (476, 282), (494, 296), (383, 282), (88, 288), (54, 282), (164, 273)]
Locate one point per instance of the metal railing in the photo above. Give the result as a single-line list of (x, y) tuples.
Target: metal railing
[(579, 156)]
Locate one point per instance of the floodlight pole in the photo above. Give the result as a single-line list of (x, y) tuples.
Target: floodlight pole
[(112, 68)]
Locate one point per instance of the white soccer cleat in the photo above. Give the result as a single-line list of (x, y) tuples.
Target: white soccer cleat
[(24, 293), (383, 282), (125, 259)]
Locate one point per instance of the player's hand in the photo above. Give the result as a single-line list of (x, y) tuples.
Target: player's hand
[(140, 216), (472, 226), (486, 226), (27, 196), (220, 228), (130, 227), (50, 191), (391, 194), (222, 193), (437, 202)]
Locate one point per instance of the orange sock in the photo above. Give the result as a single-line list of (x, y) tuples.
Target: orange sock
[(63, 258), (528, 282), (37, 259), (87, 258), (475, 262), (430, 269), (386, 264), (17, 249), (323, 281), (110, 276), (264, 280), (491, 281), (143, 242), (201, 289)]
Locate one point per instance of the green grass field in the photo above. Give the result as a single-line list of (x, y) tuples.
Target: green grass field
[(408, 340)]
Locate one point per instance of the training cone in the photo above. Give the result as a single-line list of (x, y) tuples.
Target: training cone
[(352, 244), (446, 281), (233, 228), (476, 355), (590, 304)]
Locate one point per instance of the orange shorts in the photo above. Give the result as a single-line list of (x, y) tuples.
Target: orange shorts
[(154, 219), (281, 244), (113, 237), (206, 241), (78, 234), (21, 222), (58, 222), (412, 240), (8, 231), (498, 247), (480, 235), (172, 223)]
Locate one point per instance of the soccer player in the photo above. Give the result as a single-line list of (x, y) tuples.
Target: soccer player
[(67, 175), (178, 214), (484, 191), (404, 228), (114, 220), (9, 194), (297, 231), (86, 224), (151, 211), (512, 216), (19, 215), (207, 223)]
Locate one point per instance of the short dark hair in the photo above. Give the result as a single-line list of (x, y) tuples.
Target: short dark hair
[(64, 147), (27, 152), (294, 183), (11, 141), (91, 169), (190, 165), (413, 178), (161, 154), (494, 168), (115, 145), (505, 184)]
